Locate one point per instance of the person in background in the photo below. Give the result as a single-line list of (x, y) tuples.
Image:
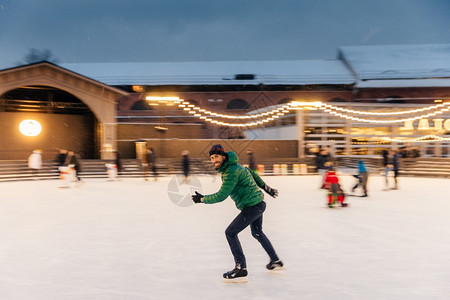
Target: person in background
[(362, 178), (322, 161), (35, 162), (146, 164), (75, 161), (186, 165), (61, 157), (251, 160), (392, 164), (151, 161), (118, 162), (335, 192)]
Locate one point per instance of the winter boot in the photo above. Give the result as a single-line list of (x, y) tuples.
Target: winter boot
[(275, 265), (237, 275)]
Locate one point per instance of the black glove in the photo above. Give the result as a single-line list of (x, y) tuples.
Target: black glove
[(272, 192), (197, 198)]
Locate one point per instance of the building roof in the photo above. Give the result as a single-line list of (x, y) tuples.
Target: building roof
[(398, 62), (386, 66), (298, 72), (404, 83)]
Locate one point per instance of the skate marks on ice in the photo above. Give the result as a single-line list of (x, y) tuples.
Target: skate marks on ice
[(278, 272), (354, 195)]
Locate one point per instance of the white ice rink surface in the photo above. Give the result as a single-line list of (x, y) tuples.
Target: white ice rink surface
[(128, 240)]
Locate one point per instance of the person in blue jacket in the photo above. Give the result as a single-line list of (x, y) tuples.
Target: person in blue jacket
[(362, 177)]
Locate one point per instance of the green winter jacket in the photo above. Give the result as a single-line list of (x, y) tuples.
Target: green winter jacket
[(241, 183)]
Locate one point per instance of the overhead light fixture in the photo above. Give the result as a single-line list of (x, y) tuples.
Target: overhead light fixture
[(30, 127), (163, 99)]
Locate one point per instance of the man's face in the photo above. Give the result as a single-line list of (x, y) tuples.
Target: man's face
[(217, 160)]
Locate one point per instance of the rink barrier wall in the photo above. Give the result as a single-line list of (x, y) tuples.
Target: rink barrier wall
[(13, 170)]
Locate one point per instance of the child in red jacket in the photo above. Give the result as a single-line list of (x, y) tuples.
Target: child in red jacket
[(335, 192)]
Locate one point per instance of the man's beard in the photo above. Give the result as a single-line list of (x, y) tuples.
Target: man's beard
[(218, 167)]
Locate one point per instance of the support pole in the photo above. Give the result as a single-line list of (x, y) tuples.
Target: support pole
[(300, 133)]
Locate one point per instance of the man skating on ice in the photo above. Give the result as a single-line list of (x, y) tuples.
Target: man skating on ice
[(242, 184)]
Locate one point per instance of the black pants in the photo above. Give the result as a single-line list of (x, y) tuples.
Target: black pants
[(252, 216)]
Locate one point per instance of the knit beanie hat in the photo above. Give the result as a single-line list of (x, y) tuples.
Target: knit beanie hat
[(217, 149)]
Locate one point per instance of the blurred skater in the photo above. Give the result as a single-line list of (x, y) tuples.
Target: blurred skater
[(151, 162), (118, 162), (251, 160), (61, 157), (323, 161), (74, 160), (186, 165), (35, 162), (391, 164), (335, 193), (362, 178)]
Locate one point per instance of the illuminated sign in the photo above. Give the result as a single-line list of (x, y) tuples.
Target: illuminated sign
[(438, 124)]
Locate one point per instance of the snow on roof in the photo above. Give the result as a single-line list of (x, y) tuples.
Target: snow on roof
[(404, 83), (366, 66), (298, 72), (398, 61)]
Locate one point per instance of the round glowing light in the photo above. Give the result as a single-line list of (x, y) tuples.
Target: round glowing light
[(30, 127)]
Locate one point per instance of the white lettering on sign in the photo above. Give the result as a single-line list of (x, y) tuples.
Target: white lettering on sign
[(439, 124)]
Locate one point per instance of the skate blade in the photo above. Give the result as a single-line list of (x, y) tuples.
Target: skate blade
[(336, 207), (277, 269), (235, 280)]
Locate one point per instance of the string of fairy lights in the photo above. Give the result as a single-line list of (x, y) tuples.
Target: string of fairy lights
[(425, 138), (333, 110), (388, 140), (259, 119)]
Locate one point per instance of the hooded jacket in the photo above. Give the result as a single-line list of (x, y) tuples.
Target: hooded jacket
[(238, 182), (331, 178), (361, 167)]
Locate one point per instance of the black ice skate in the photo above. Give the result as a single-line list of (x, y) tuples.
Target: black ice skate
[(275, 265), (237, 275)]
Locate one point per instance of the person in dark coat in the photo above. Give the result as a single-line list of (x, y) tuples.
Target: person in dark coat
[(151, 161), (61, 157), (251, 160), (385, 154), (322, 164), (186, 165), (118, 162), (75, 161), (391, 161)]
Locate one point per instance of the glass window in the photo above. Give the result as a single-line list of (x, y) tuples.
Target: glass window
[(237, 104)]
